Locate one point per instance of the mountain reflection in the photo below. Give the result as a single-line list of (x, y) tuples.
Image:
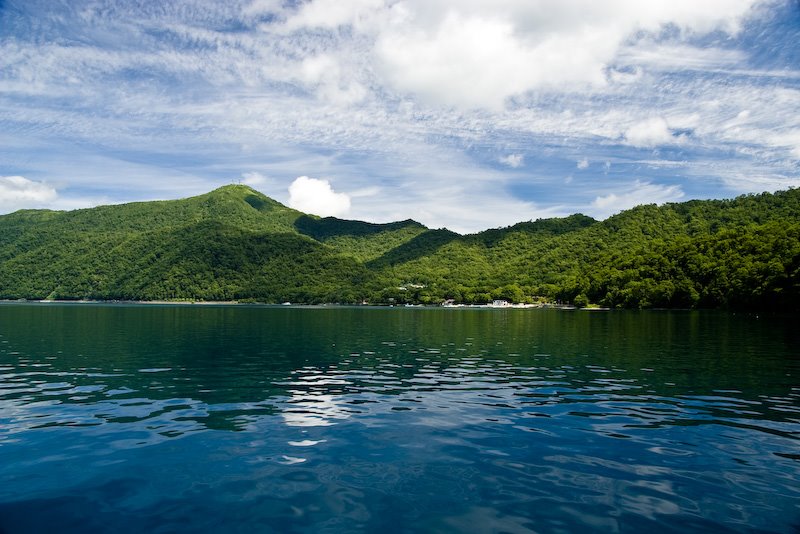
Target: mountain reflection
[(184, 369), (141, 418)]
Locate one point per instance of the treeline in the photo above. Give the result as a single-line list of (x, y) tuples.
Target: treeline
[(757, 266), (236, 244)]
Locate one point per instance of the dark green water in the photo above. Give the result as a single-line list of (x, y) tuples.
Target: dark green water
[(119, 418)]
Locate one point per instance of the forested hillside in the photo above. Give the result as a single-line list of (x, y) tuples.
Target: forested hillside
[(237, 244)]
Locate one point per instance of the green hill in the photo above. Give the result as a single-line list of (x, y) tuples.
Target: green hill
[(234, 243)]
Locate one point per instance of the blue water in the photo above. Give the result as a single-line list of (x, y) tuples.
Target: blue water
[(122, 418)]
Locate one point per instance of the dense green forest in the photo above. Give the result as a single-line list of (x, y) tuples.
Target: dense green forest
[(237, 244)]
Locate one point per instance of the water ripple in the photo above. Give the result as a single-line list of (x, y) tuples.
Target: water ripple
[(438, 430)]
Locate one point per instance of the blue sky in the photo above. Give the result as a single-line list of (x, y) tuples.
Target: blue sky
[(464, 114)]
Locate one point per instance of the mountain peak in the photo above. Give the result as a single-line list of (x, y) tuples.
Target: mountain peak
[(233, 188), (245, 193)]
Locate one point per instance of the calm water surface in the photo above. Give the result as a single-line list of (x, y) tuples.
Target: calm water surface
[(117, 418)]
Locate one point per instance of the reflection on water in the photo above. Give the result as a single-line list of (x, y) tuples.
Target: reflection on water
[(345, 419)]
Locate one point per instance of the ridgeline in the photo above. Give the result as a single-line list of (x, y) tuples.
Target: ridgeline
[(234, 243)]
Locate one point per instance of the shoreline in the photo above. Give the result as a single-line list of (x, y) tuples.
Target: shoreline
[(232, 303), (292, 305)]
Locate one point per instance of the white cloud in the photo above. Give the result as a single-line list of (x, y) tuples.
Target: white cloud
[(477, 54), (639, 193), (311, 195), (583, 164), (17, 192), (515, 161), (325, 75), (478, 61), (649, 133)]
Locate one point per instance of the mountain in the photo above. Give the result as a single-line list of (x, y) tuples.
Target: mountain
[(234, 243)]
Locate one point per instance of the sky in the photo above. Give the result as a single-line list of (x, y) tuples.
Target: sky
[(465, 114)]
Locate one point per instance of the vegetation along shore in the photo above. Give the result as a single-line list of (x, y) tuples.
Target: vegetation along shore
[(236, 245)]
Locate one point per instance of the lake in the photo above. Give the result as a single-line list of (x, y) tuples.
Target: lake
[(149, 418)]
